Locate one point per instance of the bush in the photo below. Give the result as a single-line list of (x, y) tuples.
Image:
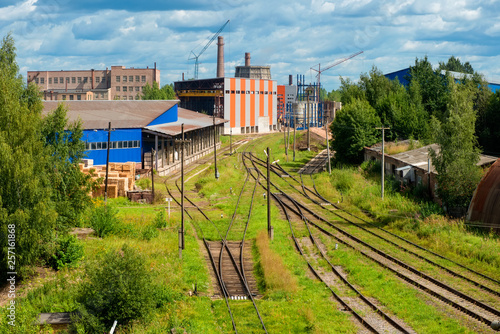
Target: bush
[(104, 221), (118, 287), (160, 220), (149, 232), (68, 252), (144, 183)]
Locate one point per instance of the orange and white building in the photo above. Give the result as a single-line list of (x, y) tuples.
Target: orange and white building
[(250, 105)]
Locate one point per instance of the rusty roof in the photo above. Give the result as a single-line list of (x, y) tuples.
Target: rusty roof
[(122, 114), (419, 157), (485, 204), (192, 120)]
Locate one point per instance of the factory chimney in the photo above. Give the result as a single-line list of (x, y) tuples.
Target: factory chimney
[(247, 59), (220, 57), (290, 80)]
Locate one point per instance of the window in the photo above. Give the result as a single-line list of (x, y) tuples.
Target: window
[(143, 78), (117, 88), (136, 78), (71, 97), (117, 78), (130, 143), (36, 80), (85, 79), (79, 97), (61, 80), (137, 88), (124, 144), (137, 97), (130, 88), (237, 92), (261, 92), (93, 146), (55, 81), (98, 146), (103, 80), (124, 88), (130, 97), (102, 95), (227, 91), (120, 144), (117, 97), (125, 97), (42, 80), (50, 81), (79, 80), (73, 80), (124, 78), (97, 79), (64, 97), (130, 78)]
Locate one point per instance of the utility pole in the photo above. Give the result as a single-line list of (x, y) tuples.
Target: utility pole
[(215, 152), (182, 186), (294, 130), (328, 147), (383, 158), (230, 141), (107, 165), (308, 121), (153, 175), (288, 136), (269, 227)]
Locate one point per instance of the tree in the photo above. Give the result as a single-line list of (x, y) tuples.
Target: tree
[(433, 87), (455, 65), (488, 129), (354, 128), (458, 154), (155, 93), (66, 150), (118, 287), (349, 91), (26, 207)]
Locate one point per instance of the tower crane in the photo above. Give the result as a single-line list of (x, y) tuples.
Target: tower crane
[(319, 70), (196, 56)]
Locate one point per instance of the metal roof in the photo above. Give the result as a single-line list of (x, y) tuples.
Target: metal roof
[(419, 157), (485, 204), (133, 114), (122, 114), (192, 120)]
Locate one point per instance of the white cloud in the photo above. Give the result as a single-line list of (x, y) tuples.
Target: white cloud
[(17, 12)]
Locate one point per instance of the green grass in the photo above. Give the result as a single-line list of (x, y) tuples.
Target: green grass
[(282, 312)]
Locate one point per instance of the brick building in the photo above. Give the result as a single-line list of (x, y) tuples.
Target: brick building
[(119, 83)]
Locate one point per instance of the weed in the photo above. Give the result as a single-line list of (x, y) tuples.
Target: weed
[(277, 277), (68, 252), (104, 221), (149, 232)]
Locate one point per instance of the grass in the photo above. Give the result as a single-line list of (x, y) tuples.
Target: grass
[(282, 308), (276, 276)]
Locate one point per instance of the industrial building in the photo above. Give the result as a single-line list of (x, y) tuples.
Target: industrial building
[(403, 74), (250, 104), (119, 83), (141, 127)]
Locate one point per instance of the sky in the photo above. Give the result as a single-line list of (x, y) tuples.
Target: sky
[(289, 35)]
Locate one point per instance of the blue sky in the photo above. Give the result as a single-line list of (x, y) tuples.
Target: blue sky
[(292, 36)]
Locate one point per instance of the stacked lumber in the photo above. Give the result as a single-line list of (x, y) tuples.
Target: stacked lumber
[(121, 178)]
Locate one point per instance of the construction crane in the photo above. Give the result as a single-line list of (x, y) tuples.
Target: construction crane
[(196, 56), (319, 70)]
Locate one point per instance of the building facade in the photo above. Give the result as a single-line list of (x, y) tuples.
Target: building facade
[(250, 105), (119, 83)]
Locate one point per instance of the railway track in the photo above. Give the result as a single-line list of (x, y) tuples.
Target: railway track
[(230, 259), (474, 307), (373, 319)]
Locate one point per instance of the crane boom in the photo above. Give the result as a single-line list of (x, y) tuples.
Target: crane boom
[(319, 70), (196, 56)]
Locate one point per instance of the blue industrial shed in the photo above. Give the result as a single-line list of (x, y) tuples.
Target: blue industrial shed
[(401, 75), (138, 127)]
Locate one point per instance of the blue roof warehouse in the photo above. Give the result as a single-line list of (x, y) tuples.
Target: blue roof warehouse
[(138, 127)]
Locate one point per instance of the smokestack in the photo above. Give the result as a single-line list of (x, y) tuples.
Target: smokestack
[(290, 80), (247, 59), (220, 57), (182, 76)]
